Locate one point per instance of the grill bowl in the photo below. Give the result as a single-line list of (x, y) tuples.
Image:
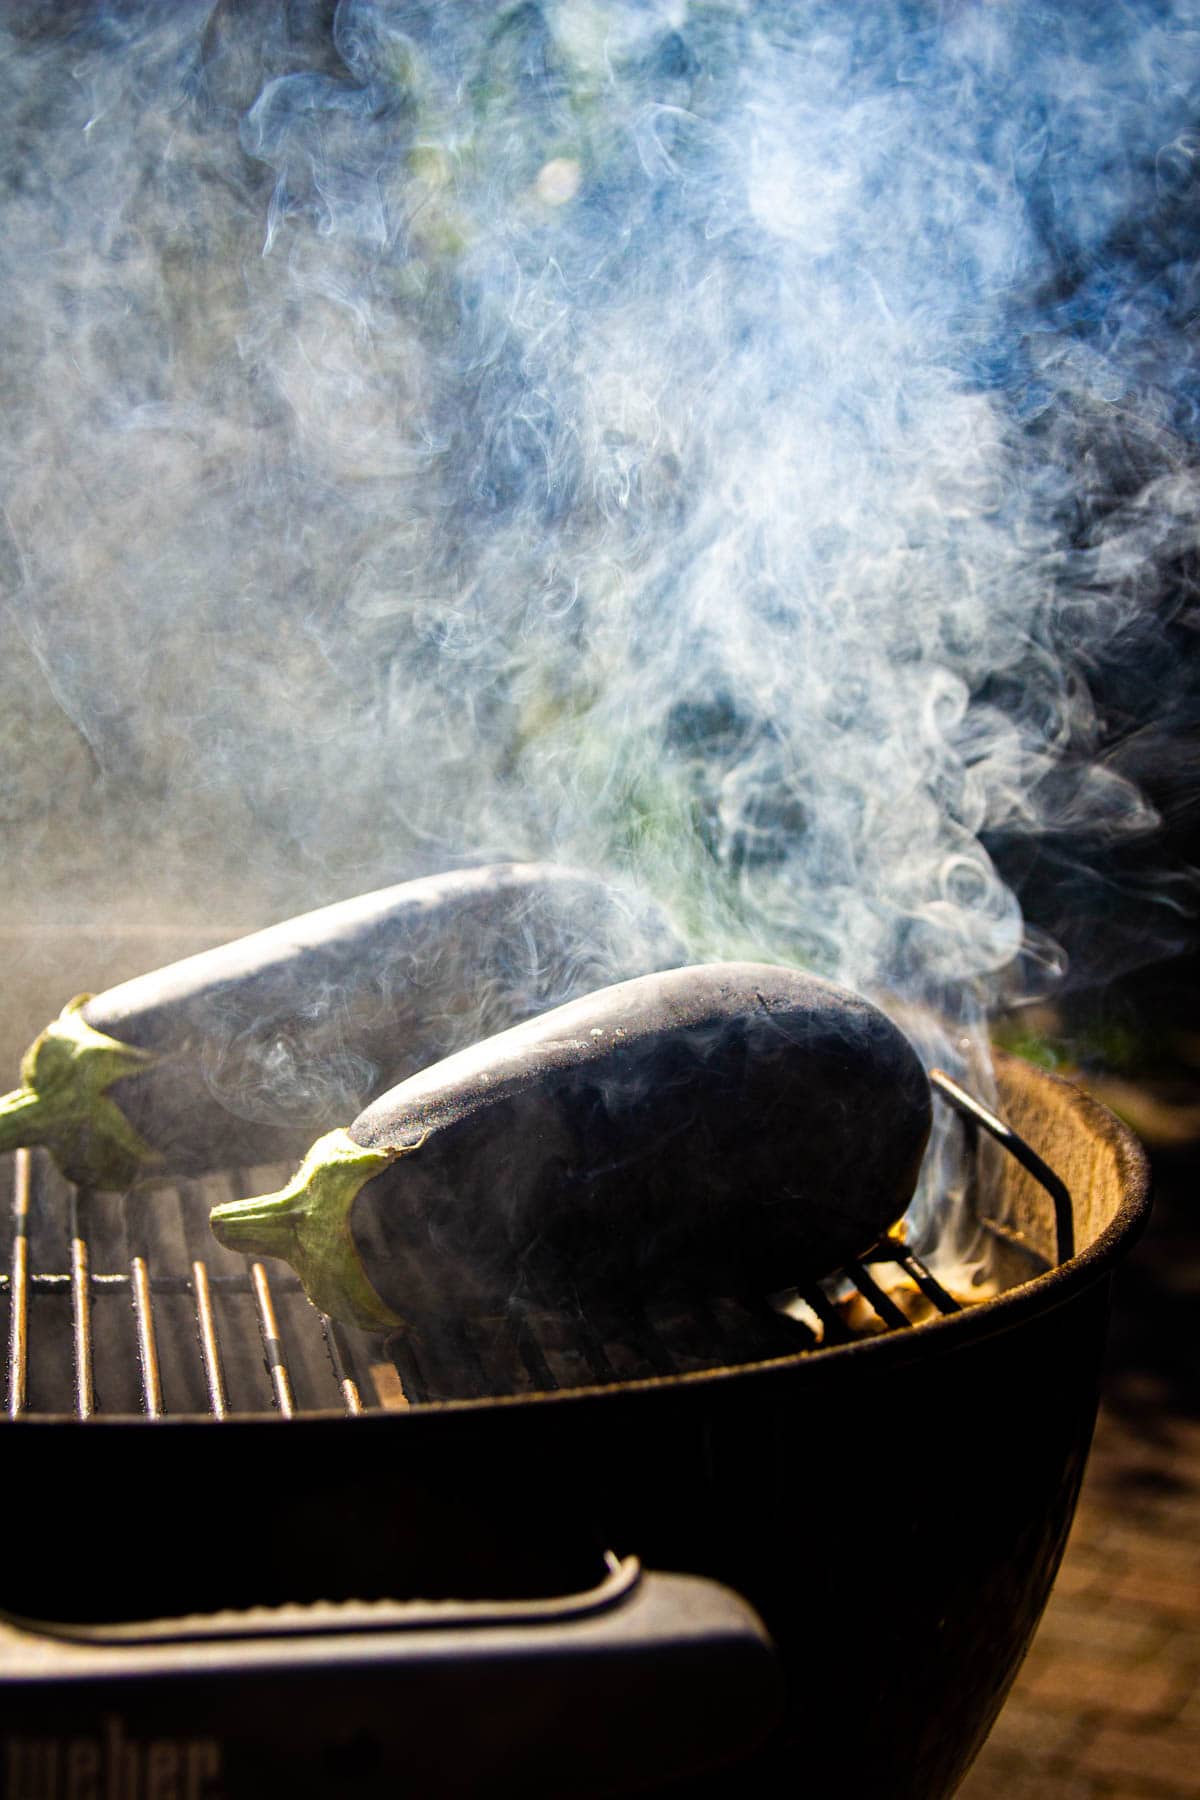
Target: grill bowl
[(894, 1508)]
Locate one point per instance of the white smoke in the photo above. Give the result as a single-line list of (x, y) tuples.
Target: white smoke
[(716, 442)]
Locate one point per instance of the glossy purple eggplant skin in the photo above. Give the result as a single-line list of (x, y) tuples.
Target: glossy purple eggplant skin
[(264, 1042), (729, 1128)]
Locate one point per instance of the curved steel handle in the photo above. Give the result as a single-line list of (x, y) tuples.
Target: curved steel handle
[(622, 1576), (978, 1114)]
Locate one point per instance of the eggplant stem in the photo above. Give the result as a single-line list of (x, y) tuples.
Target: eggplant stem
[(20, 1113), (307, 1224), (62, 1102)]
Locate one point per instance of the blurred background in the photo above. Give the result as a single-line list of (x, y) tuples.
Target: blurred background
[(1107, 1706)]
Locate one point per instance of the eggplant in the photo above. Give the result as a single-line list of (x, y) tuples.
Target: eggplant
[(728, 1128), (243, 1053)]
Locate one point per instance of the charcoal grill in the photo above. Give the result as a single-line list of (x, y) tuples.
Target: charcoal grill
[(853, 1499)]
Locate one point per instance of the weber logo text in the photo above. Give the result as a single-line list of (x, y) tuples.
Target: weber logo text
[(111, 1765)]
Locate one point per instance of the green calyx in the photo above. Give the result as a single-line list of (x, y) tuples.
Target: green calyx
[(307, 1224), (62, 1103)]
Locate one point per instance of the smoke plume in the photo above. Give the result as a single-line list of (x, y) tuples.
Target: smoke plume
[(746, 447)]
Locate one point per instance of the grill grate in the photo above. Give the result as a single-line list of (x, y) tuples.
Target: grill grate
[(121, 1305)]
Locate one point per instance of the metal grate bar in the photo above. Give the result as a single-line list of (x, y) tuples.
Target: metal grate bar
[(708, 1320), (803, 1320), (143, 1313), (210, 1350), (268, 1326), (339, 1362), (530, 1351), (929, 1285), (407, 1365), (591, 1344), (81, 1314), (18, 1318), (649, 1343), (743, 1328), (875, 1296), (465, 1353), (119, 1281), (612, 1342), (834, 1326)]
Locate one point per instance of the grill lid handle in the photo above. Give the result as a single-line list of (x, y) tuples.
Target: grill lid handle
[(645, 1680)]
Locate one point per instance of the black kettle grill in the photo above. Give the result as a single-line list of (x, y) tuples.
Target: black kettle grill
[(250, 1551)]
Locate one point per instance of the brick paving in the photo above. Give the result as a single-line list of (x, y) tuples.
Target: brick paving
[(1107, 1705)]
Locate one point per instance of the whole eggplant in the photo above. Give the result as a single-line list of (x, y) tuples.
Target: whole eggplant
[(728, 1128), (242, 1053)]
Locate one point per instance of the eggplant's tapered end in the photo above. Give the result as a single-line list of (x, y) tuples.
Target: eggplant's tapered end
[(62, 1102), (265, 1226), (22, 1116), (307, 1224)]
